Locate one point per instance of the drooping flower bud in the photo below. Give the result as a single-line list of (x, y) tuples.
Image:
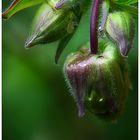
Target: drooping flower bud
[(120, 27), (51, 25), (98, 82)]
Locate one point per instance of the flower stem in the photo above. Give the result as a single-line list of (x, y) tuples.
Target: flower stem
[(94, 26)]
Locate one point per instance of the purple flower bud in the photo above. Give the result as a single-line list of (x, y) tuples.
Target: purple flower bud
[(120, 27), (76, 69), (98, 82)]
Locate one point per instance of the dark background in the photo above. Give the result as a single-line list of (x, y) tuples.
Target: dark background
[(36, 102)]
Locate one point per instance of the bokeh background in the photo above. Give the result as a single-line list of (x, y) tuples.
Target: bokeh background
[(36, 102)]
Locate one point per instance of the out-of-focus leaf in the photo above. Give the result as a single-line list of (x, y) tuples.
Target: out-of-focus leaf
[(18, 5), (61, 46)]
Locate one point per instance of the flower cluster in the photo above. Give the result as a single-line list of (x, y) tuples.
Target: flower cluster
[(97, 74)]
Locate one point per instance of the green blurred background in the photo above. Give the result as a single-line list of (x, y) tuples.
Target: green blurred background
[(36, 102)]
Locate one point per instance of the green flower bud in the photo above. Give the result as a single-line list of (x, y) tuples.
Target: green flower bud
[(120, 28), (99, 82), (51, 25)]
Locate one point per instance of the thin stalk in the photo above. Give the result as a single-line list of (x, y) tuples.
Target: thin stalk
[(94, 27)]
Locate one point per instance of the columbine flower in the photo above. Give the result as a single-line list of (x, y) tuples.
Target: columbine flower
[(97, 77), (100, 82)]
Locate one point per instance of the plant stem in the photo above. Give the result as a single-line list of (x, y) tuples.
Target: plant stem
[(94, 27)]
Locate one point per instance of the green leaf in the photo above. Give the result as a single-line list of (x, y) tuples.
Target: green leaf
[(128, 2), (132, 10), (128, 8), (61, 46), (18, 5)]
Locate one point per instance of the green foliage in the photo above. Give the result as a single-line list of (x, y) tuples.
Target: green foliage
[(128, 2), (18, 5), (128, 8), (62, 44)]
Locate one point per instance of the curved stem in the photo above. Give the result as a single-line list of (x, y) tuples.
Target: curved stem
[(94, 26)]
